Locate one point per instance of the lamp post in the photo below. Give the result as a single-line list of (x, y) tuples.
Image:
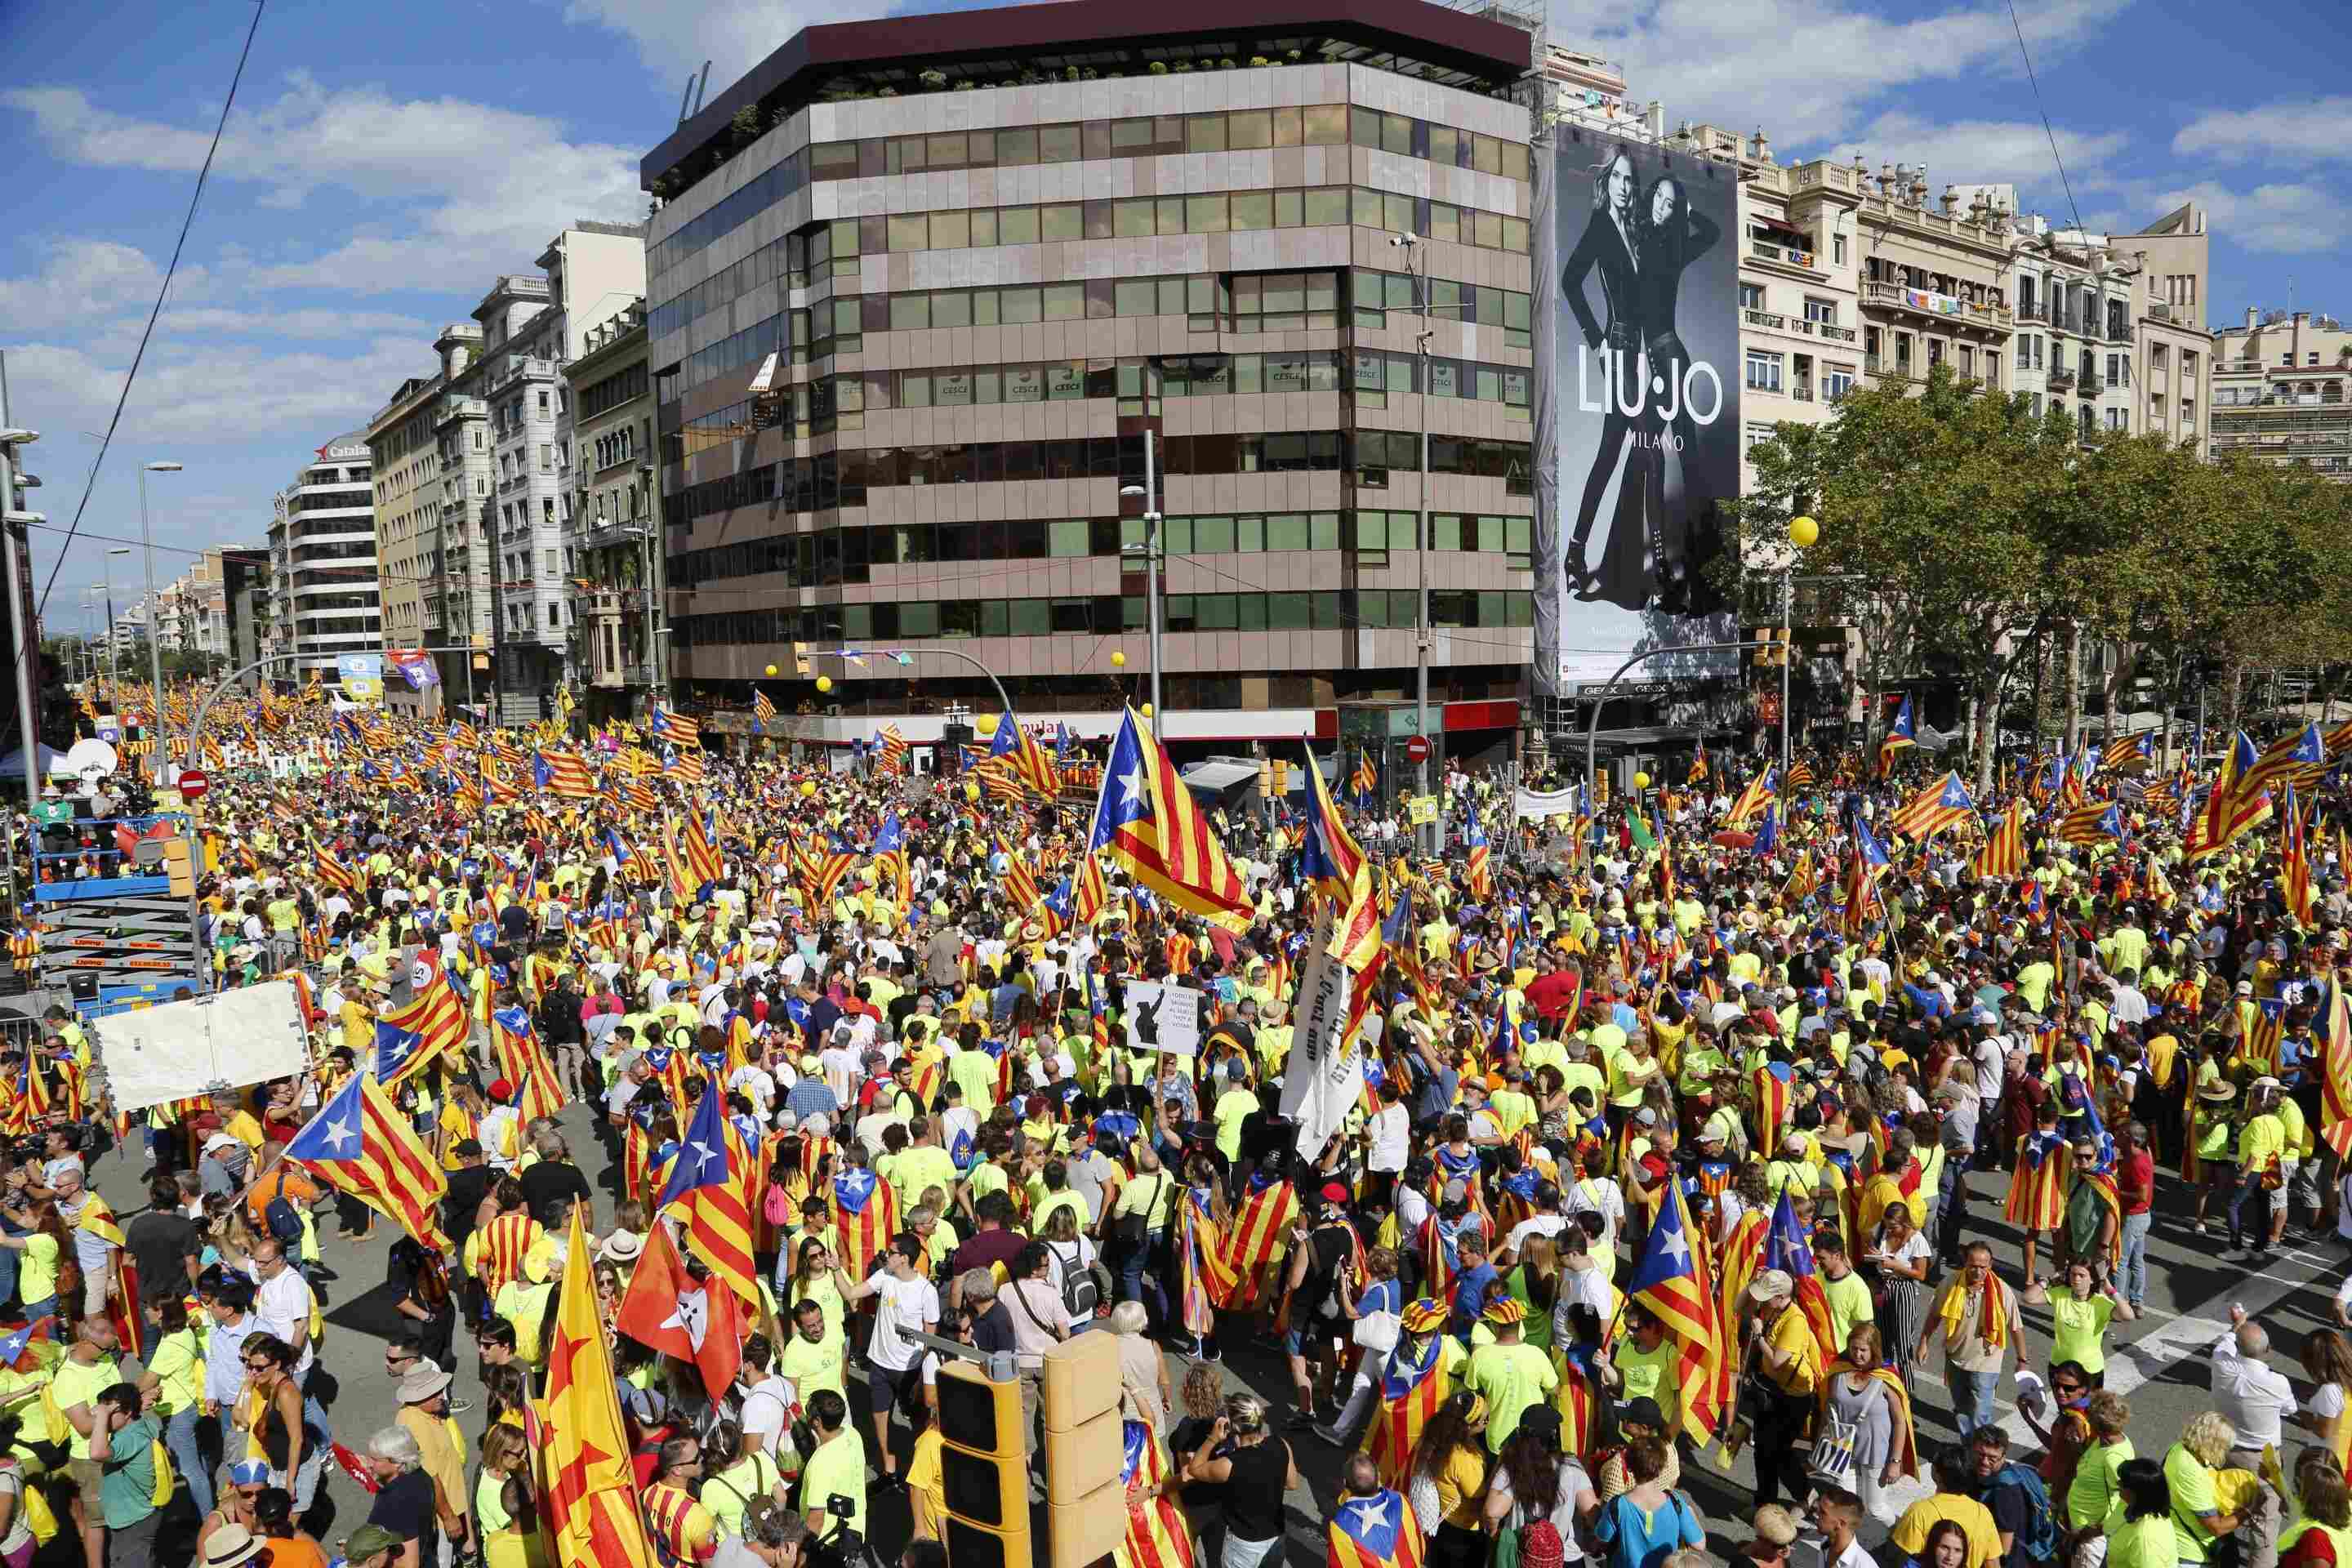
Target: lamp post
[(1150, 550), (154, 648), (1804, 532), (113, 647)]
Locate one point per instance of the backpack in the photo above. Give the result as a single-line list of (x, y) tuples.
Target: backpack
[(284, 1222), (158, 1455), (1080, 1292), (2041, 1533), (39, 1517)]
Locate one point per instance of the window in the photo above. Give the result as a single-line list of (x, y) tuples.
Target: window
[(1903, 352), (2025, 352), (1763, 371), (1968, 362), (2116, 419), (2037, 354), (1751, 296), (1837, 380), (1820, 313), (1837, 248), (1754, 434)]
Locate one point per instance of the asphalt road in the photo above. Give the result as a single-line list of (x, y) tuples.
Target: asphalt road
[(2154, 1362)]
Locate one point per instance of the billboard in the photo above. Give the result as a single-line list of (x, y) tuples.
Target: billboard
[(1637, 415)]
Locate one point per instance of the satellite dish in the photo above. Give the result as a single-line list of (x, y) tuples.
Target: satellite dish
[(88, 757)]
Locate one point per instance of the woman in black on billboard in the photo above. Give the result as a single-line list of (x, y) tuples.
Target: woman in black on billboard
[(1608, 243), (1671, 237)]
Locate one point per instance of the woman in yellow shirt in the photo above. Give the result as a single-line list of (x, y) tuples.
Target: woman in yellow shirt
[(178, 1365), (1451, 1457)]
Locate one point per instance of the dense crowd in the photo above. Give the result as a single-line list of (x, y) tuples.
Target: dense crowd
[(1662, 1149)]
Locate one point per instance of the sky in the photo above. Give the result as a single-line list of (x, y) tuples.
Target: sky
[(380, 168)]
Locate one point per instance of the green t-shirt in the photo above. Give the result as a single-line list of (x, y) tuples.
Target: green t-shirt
[(2150, 1543), (2093, 1494), (1649, 1375), (1233, 1107), (1512, 1377), (810, 1367), (920, 1168), (2077, 1328), (126, 1487), (73, 1384), (2192, 1494), (838, 1468), (1850, 1304), (36, 1268)]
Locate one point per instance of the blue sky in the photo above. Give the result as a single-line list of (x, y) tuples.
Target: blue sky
[(382, 166)]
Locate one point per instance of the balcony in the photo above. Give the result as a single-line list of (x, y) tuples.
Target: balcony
[(2061, 379), (1836, 334), (1784, 254), (1769, 320), (2089, 385), (1802, 392), (2033, 310)]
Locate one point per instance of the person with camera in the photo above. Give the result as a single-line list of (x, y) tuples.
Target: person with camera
[(772, 1537), (833, 1481)]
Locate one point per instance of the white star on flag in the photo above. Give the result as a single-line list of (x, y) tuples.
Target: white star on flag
[(1133, 784), (342, 1134), (1677, 1247), (693, 1315)]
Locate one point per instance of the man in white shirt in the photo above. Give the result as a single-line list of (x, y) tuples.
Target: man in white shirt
[(282, 1301), (1390, 1134), (904, 1299), (2254, 1398)]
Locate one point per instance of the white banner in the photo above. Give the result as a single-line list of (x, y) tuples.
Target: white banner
[(1161, 1017), (1532, 806), (1319, 1080), (182, 1049)]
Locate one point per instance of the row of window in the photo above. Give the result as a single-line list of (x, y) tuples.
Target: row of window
[(833, 556), (835, 247), (1764, 374), (841, 401), (1338, 609), (1243, 303), (842, 479), (1160, 135), (615, 389)]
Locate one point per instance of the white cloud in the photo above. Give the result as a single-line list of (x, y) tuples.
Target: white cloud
[(453, 192), (217, 394), (1808, 69), (82, 278), (2289, 219), (733, 35), (1990, 152), (2316, 129)]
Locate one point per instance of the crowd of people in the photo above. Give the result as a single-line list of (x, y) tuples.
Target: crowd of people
[(1676, 1126)]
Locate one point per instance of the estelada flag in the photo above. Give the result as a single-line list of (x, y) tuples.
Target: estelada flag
[(670, 1311), (1376, 1531), (865, 1218)]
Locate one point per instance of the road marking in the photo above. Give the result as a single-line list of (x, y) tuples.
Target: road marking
[(2138, 1362)]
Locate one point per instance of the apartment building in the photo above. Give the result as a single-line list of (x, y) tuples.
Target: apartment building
[(430, 469), (2175, 343), (2281, 390), (982, 256), (1934, 280), (2074, 348), (616, 620), (326, 589)]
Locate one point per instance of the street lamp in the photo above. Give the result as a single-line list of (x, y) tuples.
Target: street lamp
[(1803, 534), (1148, 491), (154, 648), (114, 648)]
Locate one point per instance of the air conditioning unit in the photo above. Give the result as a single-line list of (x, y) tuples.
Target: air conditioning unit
[(2161, 311)]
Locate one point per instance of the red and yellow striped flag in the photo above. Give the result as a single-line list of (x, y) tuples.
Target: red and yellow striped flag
[(588, 1489), (361, 1144)]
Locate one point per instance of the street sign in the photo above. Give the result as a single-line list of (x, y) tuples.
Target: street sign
[(193, 785), (1420, 810), (1416, 748)]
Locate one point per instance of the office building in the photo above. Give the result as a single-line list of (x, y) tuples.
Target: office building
[(921, 288), (326, 594)]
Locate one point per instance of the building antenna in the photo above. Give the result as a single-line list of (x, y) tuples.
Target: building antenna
[(685, 97), (703, 88)]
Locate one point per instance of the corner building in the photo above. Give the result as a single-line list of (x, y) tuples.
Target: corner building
[(989, 251)]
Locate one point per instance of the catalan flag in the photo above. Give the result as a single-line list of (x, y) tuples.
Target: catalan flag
[(563, 773), (1413, 1384), (2230, 810), (894, 748), (2297, 759), (1668, 1283), (2002, 858), (2129, 753), (1899, 734), (1021, 754), (361, 1144), (703, 862), (1944, 804), (1481, 874), (588, 1492), (1800, 775), (1697, 775), (2336, 1080), (333, 873), (1787, 1247), (763, 712), (1759, 789), (2096, 823), (709, 1180), (1147, 819), (865, 1218), (434, 1023), (1020, 882), (1376, 1531), (522, 1061), (1364, 780), (2294, 855), (1092, 892), (677, 728), (1157, 1533)]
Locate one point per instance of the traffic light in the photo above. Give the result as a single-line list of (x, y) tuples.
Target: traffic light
[(1281, 779), (1086, 1500), (984, 1468), (175, 867), (1775, 651), (1600, 789)]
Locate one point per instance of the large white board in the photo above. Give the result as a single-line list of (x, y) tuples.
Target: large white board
[(183, 1048)]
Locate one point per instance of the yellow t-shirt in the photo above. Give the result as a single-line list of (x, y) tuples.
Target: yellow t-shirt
[(838, 1468), (923, 1475), (810, 1367), (1511, 1377), (1910, 1532), (1794, 1337), (73, 1384)]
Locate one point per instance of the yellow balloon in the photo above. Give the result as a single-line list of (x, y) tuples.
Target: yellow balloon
[(1641, 781), (985, 725), (1145, 710), (1117, 660), (1803, 531), (971, 791), (772, 670), (824, 683), (808, 788)]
